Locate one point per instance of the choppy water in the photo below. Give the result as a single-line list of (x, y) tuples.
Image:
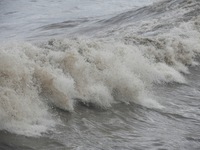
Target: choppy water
[(99, 74)]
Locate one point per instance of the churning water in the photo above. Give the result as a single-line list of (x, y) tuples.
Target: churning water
[(118, 74)]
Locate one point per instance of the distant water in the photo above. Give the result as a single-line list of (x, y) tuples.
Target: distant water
[(118, 74), (34, 19)]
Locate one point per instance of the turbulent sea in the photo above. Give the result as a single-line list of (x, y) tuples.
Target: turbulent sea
[(99, 75)]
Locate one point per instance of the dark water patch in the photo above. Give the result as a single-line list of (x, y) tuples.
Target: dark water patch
[(65, 24), (10, 13), (193, 139), (10, 141)]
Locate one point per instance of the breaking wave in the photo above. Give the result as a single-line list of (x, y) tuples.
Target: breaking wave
[(121, 67)]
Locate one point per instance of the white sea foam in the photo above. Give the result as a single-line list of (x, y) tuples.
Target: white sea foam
[(21, 109)]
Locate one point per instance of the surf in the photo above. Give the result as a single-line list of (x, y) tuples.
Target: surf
[(102, 70)]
